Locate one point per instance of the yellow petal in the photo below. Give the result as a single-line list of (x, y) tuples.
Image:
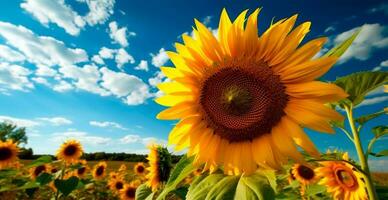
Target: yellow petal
[(172, 100), (181, 110), (319, 91), (223, 29), (250, 34)]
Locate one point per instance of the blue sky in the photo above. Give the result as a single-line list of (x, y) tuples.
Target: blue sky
[(87, 69)]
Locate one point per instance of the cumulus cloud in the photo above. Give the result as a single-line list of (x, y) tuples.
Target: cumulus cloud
[(158, 77), (129, 87), (63, 86), (19, 121), (83, 137), (123, 57), (371, 38), (129, 139), (107, 124), (42, 50), (106, 53), (9, 55), (373, 101), (99, 11), (382, 65), (143, 65), (97, 59), (41, 80), (56, 121), (14, 77), (119, 35), (43, 70), (160, 58)]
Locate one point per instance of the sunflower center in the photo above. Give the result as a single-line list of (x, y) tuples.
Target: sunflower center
[(306, 172), (38, 170), (54, 170), (119, 185), (81, 170), (140, 169), (70, 150), (243, 102), (131, 192), (346, 179), (5, 153), (100, 170)]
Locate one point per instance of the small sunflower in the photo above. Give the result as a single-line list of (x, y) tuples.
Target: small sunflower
[(342, 180), (116, 184), (8, 154), (303, 174), (242, 98), (70, 151), (99, 170), (82, 170), (291, 176), (128, 192), (36, 171), (139, 169), (159, 160), (122, 168)]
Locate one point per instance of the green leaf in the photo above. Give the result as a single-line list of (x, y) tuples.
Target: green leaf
[(200, 190), (254, 187), (379, 131), (182, 169), (29, 185), (181, 192), (357, 85), (312, 190), (271, 176), (66, 186), (382, 191), (380, 154), (142, 192), (224, 189), (366, 118), (40, 161), (44, 178), (341, 48), (6, 173)]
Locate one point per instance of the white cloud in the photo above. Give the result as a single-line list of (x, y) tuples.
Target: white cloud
[(85, 78), (97, 59), (41, 80), (56, 121), (10, 55), (371, 37), (123, 57), (63, 86), (57, 12), (107, 124), (40, 49), (373, 101), (152, 140), (129, 139), (129, 87), (329, 29), (100, 11), (43, 70), (158, 78), (382, 65), (14, 77), (381, 8), (81, 136), (19, 122), (160, 58), (206, 20), (119, 35), (143, 65), (106, 53)]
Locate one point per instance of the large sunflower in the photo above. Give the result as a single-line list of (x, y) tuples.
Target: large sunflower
[(99, 170), (241, 98), (70, 151), (8, 154), (159, 160), (128, 192), (342, 180), (139, 169)]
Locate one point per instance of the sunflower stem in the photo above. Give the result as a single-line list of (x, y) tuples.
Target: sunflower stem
[(347, 134), (360, 153)]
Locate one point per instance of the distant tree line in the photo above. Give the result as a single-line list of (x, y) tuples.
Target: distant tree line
[(18, 135)]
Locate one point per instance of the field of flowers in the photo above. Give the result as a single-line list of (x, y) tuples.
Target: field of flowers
[(242, 101)]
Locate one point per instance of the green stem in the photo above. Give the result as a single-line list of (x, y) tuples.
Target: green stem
[(369, 150), (360, 153), (60, 178), (347, 134)]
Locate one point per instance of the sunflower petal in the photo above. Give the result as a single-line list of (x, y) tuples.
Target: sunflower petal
[(319, 91)]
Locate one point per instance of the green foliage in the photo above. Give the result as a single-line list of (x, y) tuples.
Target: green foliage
[(380, 131), (143, 191), (199, 190), (380, 154), (312, 190), (66, 186), (10, 131), (44, 178), (357, 85), (41, 161), (363, 119), (341, 48)]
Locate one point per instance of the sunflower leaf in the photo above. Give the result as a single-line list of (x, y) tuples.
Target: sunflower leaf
[(271, 176), (66, 186), (312, 190), (40, 161), (200, 190), (340, 49), (255, 186), (380, 154), (44, 178), (366, 118), (143, 191), (357, 85), (379, 131), (224, 189)]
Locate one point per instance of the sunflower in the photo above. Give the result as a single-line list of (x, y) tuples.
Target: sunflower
[(128, 192), (114, 175), (99, 170), (303, 173), (36, 171), (8, 154), (241, 98), (160, 166), (122, 168), (139, 169), (116, 184), (81, 170), (70, 151), (342, 180)]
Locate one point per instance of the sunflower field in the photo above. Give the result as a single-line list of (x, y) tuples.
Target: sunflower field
[(241, 101)]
